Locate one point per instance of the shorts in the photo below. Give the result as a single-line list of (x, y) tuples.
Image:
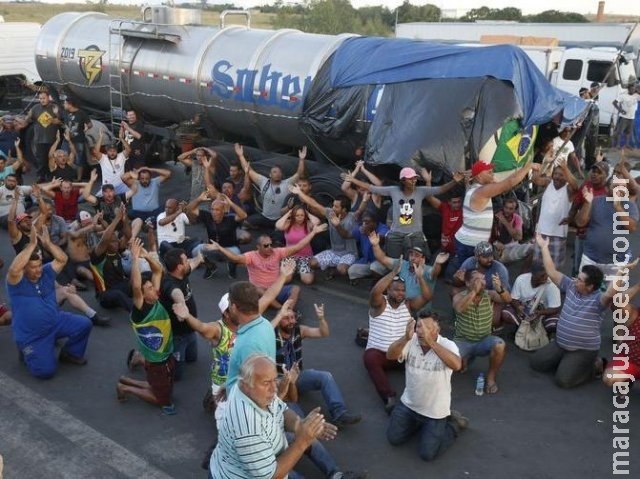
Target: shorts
[(303, 264), (483, 347), (617, 363), (160, 378)]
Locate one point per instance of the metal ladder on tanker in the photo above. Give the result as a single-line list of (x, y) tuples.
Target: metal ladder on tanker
[(117, 70)]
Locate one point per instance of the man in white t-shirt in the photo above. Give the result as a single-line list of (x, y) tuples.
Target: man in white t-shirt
[(524, 305), (626, 103), (425, 405), (555, 205), (112, 164), (564, 151)]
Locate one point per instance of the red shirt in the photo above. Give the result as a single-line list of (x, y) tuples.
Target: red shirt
[(451, 222), (67, 207)]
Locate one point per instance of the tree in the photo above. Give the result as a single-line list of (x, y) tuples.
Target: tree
[(486, 13), (413, 13), (555, 16)]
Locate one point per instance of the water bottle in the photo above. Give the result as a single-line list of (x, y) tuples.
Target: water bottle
[(480, 385)]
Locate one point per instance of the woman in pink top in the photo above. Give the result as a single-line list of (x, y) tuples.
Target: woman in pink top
[(296, 224)]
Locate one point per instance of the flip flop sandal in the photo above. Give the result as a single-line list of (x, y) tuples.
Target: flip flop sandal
[(132, 356), (491, 388)]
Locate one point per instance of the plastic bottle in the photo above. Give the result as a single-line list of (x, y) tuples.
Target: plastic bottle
[(480, 385)]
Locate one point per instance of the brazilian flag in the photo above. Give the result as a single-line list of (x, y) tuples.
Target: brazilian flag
[(515, 146)]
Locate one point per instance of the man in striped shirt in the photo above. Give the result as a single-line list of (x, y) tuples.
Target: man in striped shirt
[(252, 442), (573, 354), (474, 317)]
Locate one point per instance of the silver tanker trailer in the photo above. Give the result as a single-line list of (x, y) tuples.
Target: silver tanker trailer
[(279, 89)]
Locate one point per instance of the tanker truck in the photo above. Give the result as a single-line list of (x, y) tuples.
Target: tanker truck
[(279, 89)]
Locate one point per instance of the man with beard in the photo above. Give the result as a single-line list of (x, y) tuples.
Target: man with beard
[(425, 405), (9, 192), (112, 164), (388, 317), (362, 267), (38, 323), (133, 137), (555, 206), (221, 228), (273, 190), (145, 202), (109, 200), (60, 162), (418, 277), (113, 289), (46, 121), (202, 169), (289, 336), (76, 122), (65, 195), (176, 289), (483, 261)]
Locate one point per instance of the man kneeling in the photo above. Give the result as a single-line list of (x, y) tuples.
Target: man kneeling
[(426, 401)]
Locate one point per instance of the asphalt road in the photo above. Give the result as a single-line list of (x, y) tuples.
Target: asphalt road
[(73, 427)]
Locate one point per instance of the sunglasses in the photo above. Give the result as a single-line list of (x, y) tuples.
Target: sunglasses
[(175, 228), (268, 245), (398, 278)]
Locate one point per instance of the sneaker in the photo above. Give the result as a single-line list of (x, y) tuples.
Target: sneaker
[(65, 357), (169, 410), (461, 422), (347, 419), (99, 320), (231, 273), (349, 475)]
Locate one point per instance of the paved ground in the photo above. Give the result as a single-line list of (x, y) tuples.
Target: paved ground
[(73, 427)]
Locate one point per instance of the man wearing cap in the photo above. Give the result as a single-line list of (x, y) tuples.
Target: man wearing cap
[(112, 164), (556, 204), (419, 278), (406, 203), (597, 183), (483, 261), (474, 319), (38, 323), (108, 200), (9, 192), (477, 207), (606, 219)]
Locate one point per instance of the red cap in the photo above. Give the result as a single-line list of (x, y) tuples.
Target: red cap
[(21, 217), (480, 166)]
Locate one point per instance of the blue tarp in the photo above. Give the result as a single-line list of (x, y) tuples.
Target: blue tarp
[(372, 61)]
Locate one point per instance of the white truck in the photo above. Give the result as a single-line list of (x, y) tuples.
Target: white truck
[(568, 68), (17, 61)]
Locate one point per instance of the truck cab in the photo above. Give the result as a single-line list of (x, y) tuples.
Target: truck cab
[(17, 61), (579, 67)]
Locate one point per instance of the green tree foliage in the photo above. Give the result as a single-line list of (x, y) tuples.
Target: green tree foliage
[(555, 16), (486, 13), (414, 13)]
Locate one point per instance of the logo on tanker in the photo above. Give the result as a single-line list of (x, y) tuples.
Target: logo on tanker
[(90, 61), (264, 86)]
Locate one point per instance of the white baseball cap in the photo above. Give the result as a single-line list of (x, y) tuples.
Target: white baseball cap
[(223, 304)]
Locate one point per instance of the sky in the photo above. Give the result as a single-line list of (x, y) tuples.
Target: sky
[(628, 7)]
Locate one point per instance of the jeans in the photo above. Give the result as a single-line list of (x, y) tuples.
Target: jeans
[(578, 248), (377, 363), (185, 349), (572, 368), (462, 252), (217, 256), (190, 246), (143, 215), (398, 243), (436, 435), (314, 380), (118, 296), (40, 355)]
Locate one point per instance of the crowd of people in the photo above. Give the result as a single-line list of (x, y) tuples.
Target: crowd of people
[(97, 218)]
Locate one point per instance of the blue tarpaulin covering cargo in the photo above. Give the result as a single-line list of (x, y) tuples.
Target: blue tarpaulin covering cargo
[(454, 98)]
